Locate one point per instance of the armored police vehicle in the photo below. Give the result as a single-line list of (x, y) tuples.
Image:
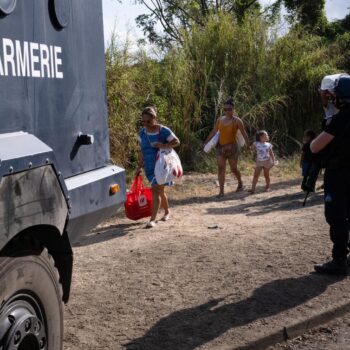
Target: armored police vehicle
[(56, 180)]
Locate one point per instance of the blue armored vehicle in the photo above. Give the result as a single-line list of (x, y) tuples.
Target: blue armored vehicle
[(56, 180)]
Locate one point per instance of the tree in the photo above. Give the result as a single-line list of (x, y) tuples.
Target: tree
[(309, 13), (176, 16), (339, 27)]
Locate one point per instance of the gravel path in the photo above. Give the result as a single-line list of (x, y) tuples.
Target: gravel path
[(220, 274)]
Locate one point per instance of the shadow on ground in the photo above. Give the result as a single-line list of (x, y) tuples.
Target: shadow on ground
[(107, 233), (283, 202), (231, 195), (259, 207), (190, 328)]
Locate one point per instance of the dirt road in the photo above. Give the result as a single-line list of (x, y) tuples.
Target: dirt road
[(218, 275), (334, 335)]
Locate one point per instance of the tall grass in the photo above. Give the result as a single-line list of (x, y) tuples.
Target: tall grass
[(273, 80)]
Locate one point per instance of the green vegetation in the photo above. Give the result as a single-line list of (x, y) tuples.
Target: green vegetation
[(219, 53)]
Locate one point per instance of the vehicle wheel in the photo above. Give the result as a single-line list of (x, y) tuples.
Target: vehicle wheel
[(31, 311)]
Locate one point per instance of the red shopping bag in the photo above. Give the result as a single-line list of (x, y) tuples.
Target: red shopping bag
[(138, 203)]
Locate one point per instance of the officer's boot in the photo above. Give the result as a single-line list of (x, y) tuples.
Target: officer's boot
[(333, 267)]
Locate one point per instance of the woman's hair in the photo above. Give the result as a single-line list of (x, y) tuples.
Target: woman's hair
[(230, 102), (310, 133), (259, 134), (151, 111)]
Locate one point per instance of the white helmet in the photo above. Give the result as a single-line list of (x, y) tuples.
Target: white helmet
[(329, 82)]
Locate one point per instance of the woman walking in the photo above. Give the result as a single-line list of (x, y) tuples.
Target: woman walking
[(152, 137), (227, 148)]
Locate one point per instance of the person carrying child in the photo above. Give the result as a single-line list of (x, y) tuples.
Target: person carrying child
[(307, 158), (265, 159)]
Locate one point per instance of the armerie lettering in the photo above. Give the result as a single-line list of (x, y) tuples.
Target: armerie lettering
[(29, 59)]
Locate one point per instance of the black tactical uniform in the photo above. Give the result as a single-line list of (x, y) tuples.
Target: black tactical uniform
[(337, 190), (337, 182)]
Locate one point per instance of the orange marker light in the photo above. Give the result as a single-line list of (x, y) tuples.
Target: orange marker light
[(113, 189)]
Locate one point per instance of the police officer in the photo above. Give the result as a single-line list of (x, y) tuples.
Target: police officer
[(333, 145)]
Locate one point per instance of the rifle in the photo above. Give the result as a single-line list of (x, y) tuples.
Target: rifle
[(310, 183)]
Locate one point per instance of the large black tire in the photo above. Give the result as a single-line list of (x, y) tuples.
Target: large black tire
[(31, 310)]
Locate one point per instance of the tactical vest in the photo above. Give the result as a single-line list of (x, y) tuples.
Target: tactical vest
[(337, 153)]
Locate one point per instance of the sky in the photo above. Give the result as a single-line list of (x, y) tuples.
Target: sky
[(121, 16)]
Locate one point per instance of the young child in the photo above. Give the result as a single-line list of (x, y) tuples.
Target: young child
[(265, 159), (306, 158)]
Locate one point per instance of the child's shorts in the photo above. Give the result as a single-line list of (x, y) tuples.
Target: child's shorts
[(267, 164)]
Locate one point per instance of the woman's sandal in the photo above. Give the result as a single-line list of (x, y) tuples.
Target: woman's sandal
[(239, 188), (166, 217), (150, 224)]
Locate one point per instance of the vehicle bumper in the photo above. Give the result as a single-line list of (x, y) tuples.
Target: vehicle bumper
[(90, 198)]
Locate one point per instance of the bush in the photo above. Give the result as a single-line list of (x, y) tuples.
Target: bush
[(274, 81)]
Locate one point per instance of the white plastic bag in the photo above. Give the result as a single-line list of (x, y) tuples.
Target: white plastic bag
[(240, 139), (168, 166), (212, 142)]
